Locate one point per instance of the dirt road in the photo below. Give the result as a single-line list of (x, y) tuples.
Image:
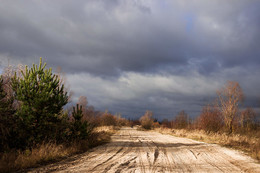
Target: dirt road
[(141, 151)]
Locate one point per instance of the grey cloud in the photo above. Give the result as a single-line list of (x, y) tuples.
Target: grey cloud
[(112, 35)]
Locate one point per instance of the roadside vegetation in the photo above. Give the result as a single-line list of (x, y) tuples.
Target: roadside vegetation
[(35, 128), (38, 126), (223, 122)]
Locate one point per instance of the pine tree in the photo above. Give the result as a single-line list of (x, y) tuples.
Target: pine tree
[(80, 128), (42, 97)]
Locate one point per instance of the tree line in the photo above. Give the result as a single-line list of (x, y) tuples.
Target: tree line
[(32, 111), (224, 114)]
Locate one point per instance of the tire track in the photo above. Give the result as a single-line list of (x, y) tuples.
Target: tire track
[(144, 151), (112, 161), (102, 163), (156, 154)]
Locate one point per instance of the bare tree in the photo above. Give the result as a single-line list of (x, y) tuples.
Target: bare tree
[(82, 101), (63, 80), (229, 98), (88, 111)]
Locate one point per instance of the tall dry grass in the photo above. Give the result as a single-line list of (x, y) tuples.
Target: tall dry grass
[(249, 143), (50, 152)]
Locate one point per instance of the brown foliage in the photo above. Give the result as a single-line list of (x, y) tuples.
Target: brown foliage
[(210, 119), (146, 120), (181, 121), (166, 123), (122, 121), (156, 124), (7, 76), (107, 119), (89, 113), (229, 98), (248, 120)]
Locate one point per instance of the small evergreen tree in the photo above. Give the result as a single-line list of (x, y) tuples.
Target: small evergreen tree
[(80, 127), (42, 97)]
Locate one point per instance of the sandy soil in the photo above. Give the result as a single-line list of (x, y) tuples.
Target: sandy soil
[(141, 151)]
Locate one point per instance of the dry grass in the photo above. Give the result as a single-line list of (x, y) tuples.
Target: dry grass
[(50, 152), (43, 153), (107, 129), (249, 143)]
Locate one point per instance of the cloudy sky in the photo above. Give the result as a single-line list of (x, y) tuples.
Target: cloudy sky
[(130, 56)]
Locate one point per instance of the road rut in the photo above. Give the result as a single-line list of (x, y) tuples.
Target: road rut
[(143, 151)]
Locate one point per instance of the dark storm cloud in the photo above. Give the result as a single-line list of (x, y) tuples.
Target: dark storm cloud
[(104, 37), (93, 34), (108, 43)]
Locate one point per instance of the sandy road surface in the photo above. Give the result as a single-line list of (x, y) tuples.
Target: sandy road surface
[(141, 151)]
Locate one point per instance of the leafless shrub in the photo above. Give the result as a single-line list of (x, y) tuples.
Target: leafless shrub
[(156, 124), (122, 121), (107, 119), (248, 120), (63, 81), (210, 119), (166, 123), (146, 120), (7, 76), (181, 121), (89, 113)]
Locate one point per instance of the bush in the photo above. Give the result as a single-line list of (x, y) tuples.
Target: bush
[(7, 120), (181, 121), (146, 120), (166, 123), (248, 120), (89, 113), (108, 119), (210, 119)]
